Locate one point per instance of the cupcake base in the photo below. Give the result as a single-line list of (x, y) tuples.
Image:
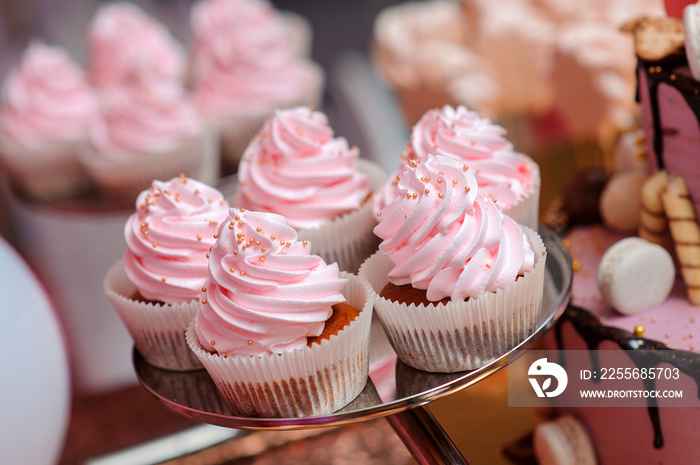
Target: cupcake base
[(459, 336), (158, 329), (316, 380)]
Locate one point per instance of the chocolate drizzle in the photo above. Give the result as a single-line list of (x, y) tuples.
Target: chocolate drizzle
[(676, 75), (594, 333)]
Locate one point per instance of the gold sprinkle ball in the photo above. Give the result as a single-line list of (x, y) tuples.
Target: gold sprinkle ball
[(639, 330)]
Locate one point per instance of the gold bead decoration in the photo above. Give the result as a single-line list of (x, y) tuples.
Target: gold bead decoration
[(639, 330)]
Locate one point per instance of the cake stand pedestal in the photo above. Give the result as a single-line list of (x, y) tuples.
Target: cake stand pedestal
[(394, 390)]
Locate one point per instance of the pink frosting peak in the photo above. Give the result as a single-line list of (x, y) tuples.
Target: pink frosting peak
[(135, 121), (45, 99), (463, 135), (445, 237), (245, 58), (126, 46), (266, 292), (168, 238), (296, 168)]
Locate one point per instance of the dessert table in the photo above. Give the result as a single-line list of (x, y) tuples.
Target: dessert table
[(394, 390)]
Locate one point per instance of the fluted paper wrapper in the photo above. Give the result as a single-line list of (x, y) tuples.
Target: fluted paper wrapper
[(313, 381), (236, 131), (526, 210), (121, 181), (349, 239), (158, 329), (459, 336)]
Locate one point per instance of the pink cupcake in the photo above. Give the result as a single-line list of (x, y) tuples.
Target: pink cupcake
[(458, 282), (128, 47), (513, 179), (47, 106), (155, 288), (143, 134), (281, 333), (149, 127), (245, 64), (297, 168)]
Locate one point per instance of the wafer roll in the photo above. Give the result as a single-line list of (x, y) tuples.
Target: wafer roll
[(653, 224), (685, 232)]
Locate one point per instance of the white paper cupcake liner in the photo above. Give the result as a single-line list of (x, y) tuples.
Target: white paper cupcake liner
[(349, 240), (237, 131), (158, 330), (526, 210), (459, 336), (121, 181), (313, 381), (49, 175)]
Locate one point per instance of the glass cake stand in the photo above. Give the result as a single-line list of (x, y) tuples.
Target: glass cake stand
[(394, 390)]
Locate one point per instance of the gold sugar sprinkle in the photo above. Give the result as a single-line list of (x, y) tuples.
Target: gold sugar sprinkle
[(639, 330), (250, 342), (205, 301), (576, 265), (213, 342)]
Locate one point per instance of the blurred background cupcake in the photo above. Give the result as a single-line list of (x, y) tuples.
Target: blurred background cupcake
[(46, 109), (247, 60), (149, 127)]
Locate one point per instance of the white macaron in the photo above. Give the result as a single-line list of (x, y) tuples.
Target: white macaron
[(563, 441), (691, 30), (635, 275)]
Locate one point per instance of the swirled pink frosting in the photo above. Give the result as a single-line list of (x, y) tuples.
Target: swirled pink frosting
[(168, 238), (135, 121), (126, 46), (465, 136), (266, 292), (245, 58), (45, 99), (296, 168), (447, 238)]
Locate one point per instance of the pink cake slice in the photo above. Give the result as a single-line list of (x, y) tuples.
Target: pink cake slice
[(651, 434)]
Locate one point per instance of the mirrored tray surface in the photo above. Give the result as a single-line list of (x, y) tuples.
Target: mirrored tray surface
[(392, 387)]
